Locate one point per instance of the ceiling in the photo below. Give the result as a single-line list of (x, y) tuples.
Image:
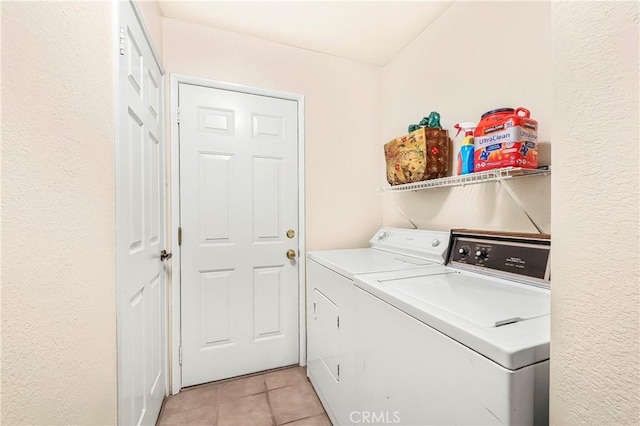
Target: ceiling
[(368, 31)]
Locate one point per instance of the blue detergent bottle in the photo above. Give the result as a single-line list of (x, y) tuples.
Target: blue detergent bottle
[(465, 156)]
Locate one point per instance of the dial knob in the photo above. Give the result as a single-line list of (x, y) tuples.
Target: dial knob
[(463, 251), (481, 254), (382, 235), (435, 243)]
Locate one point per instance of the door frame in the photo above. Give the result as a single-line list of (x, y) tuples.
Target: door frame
[(175, 313)]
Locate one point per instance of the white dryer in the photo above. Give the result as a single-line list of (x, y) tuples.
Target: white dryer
[(467, 343), (330, 309)]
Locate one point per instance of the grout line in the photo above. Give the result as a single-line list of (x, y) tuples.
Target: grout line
[(306, 381), (217, 405), (304, 418), (273, 416), (310, 386)]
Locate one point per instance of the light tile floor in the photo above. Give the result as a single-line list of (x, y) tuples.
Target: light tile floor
[(275, 397)]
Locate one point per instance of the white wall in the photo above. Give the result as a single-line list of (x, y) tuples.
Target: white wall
[(342, 119), (595, 341), (476, 57), (58, 222)]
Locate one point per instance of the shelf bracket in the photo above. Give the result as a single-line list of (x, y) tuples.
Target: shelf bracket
[(404, 215), (517, 200)]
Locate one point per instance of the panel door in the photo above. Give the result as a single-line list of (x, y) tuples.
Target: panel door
[(141, 292), (238, 199)]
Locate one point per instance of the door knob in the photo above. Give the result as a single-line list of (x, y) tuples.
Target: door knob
[(291, 254), (164, 255)]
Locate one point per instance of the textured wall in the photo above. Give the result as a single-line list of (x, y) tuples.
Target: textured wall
[(58, 222), (476, 57), (595, 354), (342, 119)]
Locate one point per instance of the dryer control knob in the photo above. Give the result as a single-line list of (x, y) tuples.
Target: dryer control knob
[(463, 251), (382, 235), (481, 254)]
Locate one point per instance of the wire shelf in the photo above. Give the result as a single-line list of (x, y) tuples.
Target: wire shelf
[(495, 175)]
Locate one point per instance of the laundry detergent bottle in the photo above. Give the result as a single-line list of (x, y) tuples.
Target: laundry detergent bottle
[(465, 156)]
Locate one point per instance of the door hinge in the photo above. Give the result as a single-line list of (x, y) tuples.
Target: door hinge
[(179, 235), (121, 44), (338, 321), (178, 115), (180, 355)]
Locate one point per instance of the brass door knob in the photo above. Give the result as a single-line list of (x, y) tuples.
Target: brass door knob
[(291, 254)]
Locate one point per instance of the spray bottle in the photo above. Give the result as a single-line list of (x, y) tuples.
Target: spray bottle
[(465, 156)]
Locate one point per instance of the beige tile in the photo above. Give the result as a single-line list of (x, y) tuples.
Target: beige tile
[(294, 402), (196, 416), (239, 388), (321, 420), (286, 377), (201, 396), (250, 410)]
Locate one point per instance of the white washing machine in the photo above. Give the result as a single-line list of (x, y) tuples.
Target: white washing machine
[(330, 306), (466, 343)]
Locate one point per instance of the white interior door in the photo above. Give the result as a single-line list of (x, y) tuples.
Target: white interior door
[(141, 290), (238, 199)]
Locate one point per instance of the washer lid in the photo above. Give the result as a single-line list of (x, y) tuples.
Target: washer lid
[(483, 302), (505, 321), (363, 261), (392, 249)]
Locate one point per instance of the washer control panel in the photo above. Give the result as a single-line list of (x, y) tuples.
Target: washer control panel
[(509, 255), (428, 245)]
